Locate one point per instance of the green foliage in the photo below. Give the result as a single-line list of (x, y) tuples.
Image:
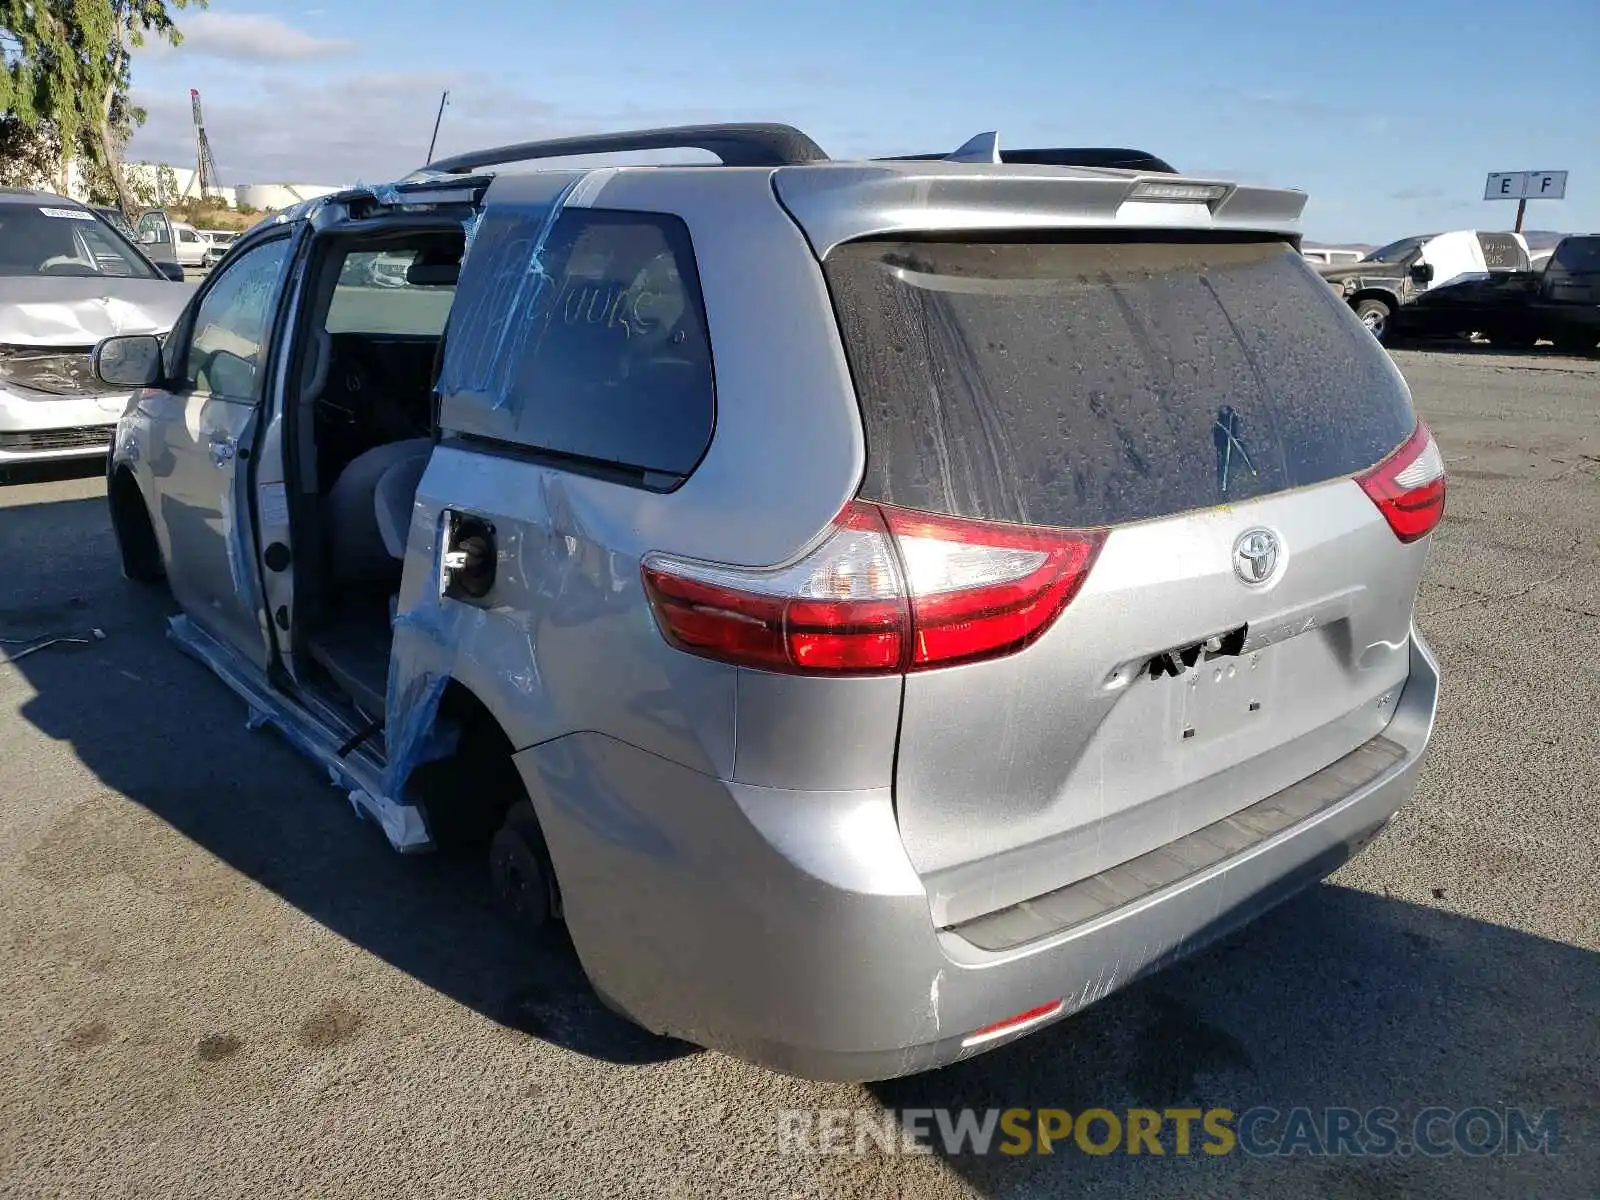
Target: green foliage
[(30, 155), (67, 69), (150, 187)]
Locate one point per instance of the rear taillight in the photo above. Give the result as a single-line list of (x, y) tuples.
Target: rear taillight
[(888, 590), (1408, 487)]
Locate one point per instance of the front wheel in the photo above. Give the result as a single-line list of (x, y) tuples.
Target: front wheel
[(1377, 317)]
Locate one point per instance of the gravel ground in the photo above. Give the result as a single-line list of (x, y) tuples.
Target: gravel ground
[(217, 983)]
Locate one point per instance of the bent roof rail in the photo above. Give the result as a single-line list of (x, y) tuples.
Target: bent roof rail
[(737, 145), (1114, 157)]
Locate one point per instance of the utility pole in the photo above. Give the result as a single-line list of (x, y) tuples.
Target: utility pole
[(443, 100), (1522, 208)]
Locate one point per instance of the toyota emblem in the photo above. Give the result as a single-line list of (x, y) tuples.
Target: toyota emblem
[(1255, 556)]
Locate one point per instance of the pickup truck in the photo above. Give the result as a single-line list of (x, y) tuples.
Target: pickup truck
[(1566, 302), (1462, 281)]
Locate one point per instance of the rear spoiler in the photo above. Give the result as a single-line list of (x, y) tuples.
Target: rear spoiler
[(985, 147)]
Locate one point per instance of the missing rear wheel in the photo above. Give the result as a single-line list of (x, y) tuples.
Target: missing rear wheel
[(519, 869)]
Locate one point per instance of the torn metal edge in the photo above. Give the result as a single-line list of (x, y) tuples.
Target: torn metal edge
[(403, 825)]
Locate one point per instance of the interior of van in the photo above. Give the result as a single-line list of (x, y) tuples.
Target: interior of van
[(358, 441)]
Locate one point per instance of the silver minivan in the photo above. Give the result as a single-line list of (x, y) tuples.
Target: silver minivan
[(882, 607)]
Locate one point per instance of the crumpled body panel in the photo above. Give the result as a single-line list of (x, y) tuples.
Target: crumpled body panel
[(72, 311)]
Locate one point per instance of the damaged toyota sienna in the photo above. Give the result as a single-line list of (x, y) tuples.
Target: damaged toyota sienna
[(881, 607)]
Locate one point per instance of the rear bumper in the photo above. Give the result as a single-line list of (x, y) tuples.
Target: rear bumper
[(789, 928), (38, 430)]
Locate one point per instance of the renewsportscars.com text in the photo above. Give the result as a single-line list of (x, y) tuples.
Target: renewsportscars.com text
[(1261, 1132)]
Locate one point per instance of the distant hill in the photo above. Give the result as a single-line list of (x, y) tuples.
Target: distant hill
[(1541, 239)]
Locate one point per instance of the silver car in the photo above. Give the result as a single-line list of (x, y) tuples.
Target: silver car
[(67, 279), (881, 606)]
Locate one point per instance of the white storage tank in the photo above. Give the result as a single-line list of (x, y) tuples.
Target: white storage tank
[(277, 196)]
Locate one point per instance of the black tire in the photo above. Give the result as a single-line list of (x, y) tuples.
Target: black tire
[(520, 871), (136, 536), (1378, 317), (1576, 341)]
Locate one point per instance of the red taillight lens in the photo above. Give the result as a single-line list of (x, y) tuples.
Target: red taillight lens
[(888, 590), (1408, 487), (841, 608), (980, 589)]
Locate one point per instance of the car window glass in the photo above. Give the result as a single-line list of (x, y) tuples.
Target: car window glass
[(60, 240), (607, 359), (1086, 383), (152, 223), (1577, 254), (376, 295), (1395, 251), (232, 323)]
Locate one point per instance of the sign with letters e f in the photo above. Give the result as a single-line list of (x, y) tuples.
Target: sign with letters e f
[(1525, 185)]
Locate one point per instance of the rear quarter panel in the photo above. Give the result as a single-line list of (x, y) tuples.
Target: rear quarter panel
[(566, 640)]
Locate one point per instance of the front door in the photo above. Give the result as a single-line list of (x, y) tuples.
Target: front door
[(155, 236), (203, 432)]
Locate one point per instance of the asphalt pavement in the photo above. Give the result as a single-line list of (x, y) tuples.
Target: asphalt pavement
[(217, 982)]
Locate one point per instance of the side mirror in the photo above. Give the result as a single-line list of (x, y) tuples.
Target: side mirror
[(133, 361), (172, 271), (1422, 272)]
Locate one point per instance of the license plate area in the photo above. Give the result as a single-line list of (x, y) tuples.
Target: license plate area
[(1224, 697)]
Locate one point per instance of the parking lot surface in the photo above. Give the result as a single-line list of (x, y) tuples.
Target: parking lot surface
[(218, 983)]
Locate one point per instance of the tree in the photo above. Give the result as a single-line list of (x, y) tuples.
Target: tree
[(68, 67), (30, 156)]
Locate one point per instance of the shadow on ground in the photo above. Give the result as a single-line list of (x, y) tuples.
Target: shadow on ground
[(156, 727), (1338, 999), (1542, 352), (53, 470)]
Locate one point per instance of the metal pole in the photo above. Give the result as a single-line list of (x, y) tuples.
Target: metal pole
[(434, 139), (1522, 207)]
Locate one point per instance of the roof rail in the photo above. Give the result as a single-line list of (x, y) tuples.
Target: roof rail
[(737, 145)]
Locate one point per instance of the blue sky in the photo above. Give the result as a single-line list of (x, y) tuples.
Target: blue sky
[(1388, 114)]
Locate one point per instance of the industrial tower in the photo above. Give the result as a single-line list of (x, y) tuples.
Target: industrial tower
[(206, 165)]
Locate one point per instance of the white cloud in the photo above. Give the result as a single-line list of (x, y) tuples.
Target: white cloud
[(252, 37), (361, 127)]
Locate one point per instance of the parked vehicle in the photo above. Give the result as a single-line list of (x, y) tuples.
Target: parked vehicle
[(1437, 283), (67, 279), (191, 248), (217, 243), (1567, 303), (113, 217), (171, 241), (1330, 255), (1023, 601)]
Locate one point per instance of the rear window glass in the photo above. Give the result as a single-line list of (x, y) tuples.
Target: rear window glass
[(1577, 254), (592, 345), (1092, 383), (378, 293)]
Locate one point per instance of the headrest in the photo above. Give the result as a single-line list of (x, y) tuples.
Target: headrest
[(435, 268)]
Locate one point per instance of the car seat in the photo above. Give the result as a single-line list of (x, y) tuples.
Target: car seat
[(368, 511)]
